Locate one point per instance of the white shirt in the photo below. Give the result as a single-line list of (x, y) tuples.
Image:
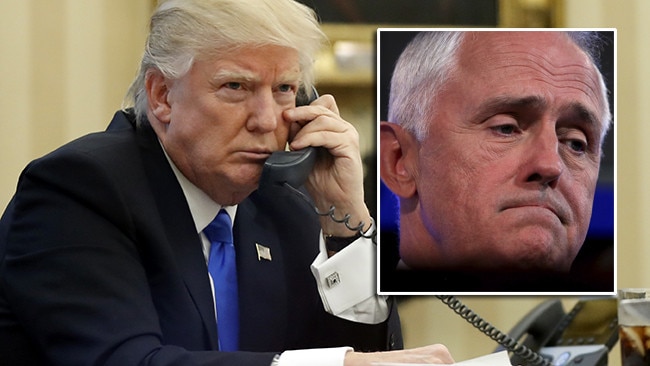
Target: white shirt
[(352, 298)]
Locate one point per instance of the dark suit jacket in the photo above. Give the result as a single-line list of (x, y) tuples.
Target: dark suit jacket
[(101, 264)]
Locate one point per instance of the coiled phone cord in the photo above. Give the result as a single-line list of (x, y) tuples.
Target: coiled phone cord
[(486, 328), (345, 220), (456, 305)]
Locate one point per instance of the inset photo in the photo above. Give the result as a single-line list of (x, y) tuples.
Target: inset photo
[(497, 160)]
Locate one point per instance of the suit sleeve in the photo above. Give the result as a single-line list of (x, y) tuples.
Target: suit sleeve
[(74, 272)]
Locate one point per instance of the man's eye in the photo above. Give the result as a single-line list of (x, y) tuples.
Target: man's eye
[(284, 88), (505, 129), (233, 85), (577, 145), (575, 140)]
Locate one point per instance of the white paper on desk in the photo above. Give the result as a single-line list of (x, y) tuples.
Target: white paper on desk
[(493, 359)]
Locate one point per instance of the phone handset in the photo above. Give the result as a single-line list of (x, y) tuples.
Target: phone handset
[(290, 167)]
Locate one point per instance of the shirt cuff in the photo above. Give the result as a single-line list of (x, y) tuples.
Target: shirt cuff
[(348, 280), (314, 357)]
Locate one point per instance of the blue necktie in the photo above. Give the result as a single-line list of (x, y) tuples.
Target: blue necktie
[(223, 269)]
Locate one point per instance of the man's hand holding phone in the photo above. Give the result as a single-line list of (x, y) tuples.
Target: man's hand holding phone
[(337, 178)]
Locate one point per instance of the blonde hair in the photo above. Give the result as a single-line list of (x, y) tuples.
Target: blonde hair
[(182, 31)]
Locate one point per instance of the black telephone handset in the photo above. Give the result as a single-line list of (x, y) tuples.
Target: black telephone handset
[(549, 336), (290, 167)]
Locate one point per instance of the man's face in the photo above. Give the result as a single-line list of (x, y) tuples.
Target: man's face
[(226, 118), (508, 171)]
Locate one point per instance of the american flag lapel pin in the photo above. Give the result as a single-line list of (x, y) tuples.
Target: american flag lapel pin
[(263, 252)]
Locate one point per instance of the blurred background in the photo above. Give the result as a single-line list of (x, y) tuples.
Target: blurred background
[(66, 64)]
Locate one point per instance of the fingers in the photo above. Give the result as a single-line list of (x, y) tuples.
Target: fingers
[(332, 134), (432, 354), (440, 352), (328, 102), (319, 124), (325, 105)]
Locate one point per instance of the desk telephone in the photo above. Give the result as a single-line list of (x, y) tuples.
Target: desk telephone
[(549, 336)]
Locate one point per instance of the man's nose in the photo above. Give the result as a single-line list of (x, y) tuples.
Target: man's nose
[(545, 164), (264, 113)]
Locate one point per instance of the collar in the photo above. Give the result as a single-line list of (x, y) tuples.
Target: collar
[(202, 208)]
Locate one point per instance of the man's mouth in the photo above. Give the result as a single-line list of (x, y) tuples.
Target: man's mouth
[(544, 204), (256, 153)]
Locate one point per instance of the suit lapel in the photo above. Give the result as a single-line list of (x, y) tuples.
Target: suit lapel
[(262, 283), (179, 229)]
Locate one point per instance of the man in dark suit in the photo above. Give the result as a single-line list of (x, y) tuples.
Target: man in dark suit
[(104, 257)]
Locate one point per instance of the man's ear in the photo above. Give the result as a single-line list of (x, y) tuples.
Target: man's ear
[(157, 88), (397, 151)]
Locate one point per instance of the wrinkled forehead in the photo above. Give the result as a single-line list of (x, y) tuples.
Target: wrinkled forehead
[(502, 57), (476, 43)]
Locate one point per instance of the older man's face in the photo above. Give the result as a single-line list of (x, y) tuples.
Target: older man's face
[(226, 118), (508, 172)]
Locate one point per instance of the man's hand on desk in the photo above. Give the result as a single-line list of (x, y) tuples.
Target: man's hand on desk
[(433, 354)]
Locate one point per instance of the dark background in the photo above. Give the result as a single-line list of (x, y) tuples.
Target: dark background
[(465, 12)]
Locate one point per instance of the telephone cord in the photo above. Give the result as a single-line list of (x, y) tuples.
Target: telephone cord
[(456, 305), (345, 220), (486, 328)]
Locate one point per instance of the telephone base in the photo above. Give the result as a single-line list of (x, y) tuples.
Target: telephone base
[(590, 355)]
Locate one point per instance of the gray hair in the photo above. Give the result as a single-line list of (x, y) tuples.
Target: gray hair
[(428, 61), (421, 70), (182, 31)]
